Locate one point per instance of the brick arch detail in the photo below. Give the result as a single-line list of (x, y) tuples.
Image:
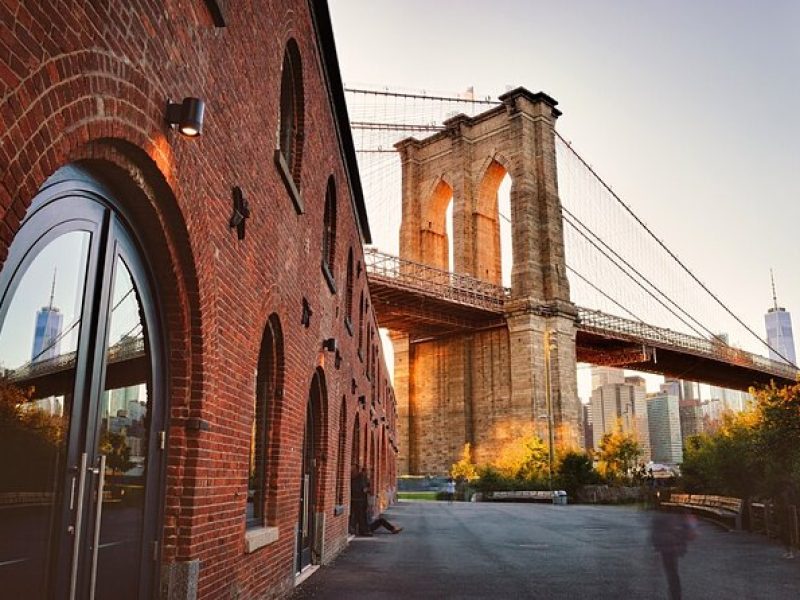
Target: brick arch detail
[(124, 157), (111, 99)]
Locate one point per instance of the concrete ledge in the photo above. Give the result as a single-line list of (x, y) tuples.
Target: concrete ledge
[(305, 574), (258, 537)]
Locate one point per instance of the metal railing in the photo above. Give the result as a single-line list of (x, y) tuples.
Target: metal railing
[(125, 349), (604, 323), (413, 276), (409, 275)]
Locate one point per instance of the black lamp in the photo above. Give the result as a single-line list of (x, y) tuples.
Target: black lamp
[(187, 116)]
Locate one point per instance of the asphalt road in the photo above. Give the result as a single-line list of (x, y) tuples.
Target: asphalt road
[(492, 550)]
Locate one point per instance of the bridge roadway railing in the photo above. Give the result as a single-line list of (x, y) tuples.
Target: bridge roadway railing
[(407, 275), (125, 349), (412, 276), (606, 324)]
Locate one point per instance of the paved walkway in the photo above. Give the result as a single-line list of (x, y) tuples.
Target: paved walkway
[(517, 551)]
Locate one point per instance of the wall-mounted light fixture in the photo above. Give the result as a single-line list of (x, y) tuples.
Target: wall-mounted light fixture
[(329, 344), (186, 116)]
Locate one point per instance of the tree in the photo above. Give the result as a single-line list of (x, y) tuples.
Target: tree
[(524, 458), (752, 453), (777, 450), (464, 469), (618, 454), (574, 470), (118, 453), (31, 439)]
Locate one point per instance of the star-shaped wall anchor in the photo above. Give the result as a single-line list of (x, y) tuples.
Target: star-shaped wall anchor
[(241, 212)]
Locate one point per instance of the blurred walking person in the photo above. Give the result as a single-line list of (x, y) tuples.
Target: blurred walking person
[(670, 535)]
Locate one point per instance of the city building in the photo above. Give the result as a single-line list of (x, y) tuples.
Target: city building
[(779, 331), (47, 335), (620, 401), (691, 418), (606, 375), (665, 428), (189, 172), (588, 427)]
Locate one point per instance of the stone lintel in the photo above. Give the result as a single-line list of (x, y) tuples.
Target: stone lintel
[(556, 308)]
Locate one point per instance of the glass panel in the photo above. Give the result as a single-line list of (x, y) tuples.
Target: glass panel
[(38, 343), (124, 426)]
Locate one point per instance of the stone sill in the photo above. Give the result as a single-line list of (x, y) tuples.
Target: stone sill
[(258, 537), (326, 271), (288, 181)]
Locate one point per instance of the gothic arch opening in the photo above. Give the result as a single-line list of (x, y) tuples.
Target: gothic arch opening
[(492, 221), (436, 243)]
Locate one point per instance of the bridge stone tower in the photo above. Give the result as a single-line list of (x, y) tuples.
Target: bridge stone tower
[(488, 387)]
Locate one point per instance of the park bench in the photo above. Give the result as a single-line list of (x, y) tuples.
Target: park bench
[(722, 509), (522, 496)]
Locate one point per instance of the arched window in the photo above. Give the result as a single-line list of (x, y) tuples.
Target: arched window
[(369, 352), (361, 327), (289, 154), (348, 294), (329, 234), (340, 465), (312, 472), (83, 391), (268, 390)]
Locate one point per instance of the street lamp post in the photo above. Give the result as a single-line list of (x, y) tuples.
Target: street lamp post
[(549, 402)]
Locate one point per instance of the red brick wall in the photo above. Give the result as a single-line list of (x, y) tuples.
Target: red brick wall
[(90, 80)]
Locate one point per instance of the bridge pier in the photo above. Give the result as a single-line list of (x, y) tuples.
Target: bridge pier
[(488, 387), (542, 350)]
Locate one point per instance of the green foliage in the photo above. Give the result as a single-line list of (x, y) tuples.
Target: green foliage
[(118, 453), (618, 454), (754, 453), (525, 458), (574, 470), (464, 469), (30, 441)]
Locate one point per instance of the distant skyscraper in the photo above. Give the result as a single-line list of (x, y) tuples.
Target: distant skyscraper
[(691, 417), (779, 330), (605, 375), (46, 337), (665, 428), (622, 402), (588, 438)]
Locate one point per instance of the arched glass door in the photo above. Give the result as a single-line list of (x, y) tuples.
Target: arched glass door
[(80, 389)]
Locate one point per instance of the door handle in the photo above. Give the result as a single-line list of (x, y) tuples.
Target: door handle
[(98, 513), (76, 542)]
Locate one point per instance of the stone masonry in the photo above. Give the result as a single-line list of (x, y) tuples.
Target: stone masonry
[(488, 387)]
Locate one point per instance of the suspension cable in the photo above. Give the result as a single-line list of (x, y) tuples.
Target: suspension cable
[(670, 252)]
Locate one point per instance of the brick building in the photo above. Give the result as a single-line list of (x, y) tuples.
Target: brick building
[(186, 332)]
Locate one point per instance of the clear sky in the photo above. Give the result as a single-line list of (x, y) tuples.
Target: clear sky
[(691, 110)]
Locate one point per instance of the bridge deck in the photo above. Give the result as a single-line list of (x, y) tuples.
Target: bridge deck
[(426, 302)]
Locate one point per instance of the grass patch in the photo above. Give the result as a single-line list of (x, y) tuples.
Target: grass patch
[(416, 495)]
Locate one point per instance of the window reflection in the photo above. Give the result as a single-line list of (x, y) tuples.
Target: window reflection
[(38, 343), (124, 425)]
